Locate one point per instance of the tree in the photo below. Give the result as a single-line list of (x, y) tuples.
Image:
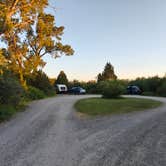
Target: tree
[(29, 34), (74, 83), (2, 59), (41, 81), (47, 43), (107, 74), (62, 78), (16, 16), (52, 81), (10, 89), (2, 62), (99, 77)]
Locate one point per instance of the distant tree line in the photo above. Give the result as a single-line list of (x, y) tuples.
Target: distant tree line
[(104, 84), (151, 86)]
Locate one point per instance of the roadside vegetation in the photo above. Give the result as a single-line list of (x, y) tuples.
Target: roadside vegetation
[(13, 97), (101, 106), (27, 34)]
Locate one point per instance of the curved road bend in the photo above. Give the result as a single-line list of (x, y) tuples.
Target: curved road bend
[(50, 134)]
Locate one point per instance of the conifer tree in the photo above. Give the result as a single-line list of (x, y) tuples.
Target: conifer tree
[(62, 78), (107, 74)]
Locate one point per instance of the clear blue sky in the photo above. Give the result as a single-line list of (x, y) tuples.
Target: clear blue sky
[(131, 34)]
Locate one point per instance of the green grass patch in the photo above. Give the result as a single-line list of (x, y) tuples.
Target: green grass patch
[(100, 106)]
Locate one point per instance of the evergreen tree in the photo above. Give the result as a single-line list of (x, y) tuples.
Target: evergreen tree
[(99, 77), (62, 78), (108, 73)]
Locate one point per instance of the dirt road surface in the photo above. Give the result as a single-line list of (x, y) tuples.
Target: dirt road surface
[(49, 133)]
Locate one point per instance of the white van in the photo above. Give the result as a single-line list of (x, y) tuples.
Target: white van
[(61, 88)]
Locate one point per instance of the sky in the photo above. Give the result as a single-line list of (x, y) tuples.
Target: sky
[(130, 34)]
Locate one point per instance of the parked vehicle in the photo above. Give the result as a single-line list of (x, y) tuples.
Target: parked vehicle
[(77, 90), (133, 90), (61, 88)]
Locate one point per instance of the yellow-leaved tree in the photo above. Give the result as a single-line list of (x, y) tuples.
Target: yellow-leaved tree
[(29, 33)]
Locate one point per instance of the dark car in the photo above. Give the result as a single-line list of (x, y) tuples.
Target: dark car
[(133, 90), (76, 90)]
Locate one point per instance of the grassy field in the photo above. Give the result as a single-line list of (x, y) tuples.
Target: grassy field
[(100, 106)]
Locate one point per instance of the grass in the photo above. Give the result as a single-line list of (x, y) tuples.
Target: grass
[(100, 106)]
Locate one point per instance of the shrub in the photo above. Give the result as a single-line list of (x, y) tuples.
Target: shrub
[(161, 91), (91, 87), (147, 93), (11, 90), (112, 89), (34, 93), (41, 81), (149, 84), (6, 112)]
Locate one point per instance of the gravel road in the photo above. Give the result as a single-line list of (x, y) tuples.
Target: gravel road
[(49, 133)]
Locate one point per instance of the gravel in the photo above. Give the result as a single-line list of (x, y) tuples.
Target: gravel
[(50, 133)]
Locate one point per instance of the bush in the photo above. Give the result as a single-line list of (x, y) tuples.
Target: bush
[(148, 93), (34, 93), (161, 91), (149, 84), (112, 89), (11, 90), (41, 81), (91, 87), (6, 112)]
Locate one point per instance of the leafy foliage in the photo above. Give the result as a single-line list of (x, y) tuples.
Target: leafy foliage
[(151, 86), (33, 93), (29, 34), (112, 89), (148, 84), (6, 112), (11, 90), (41, 81), (2, 59), (161, 90)]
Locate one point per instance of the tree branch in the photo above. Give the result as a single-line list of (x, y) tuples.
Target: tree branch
[(33, 48), (14, 4), (40, 50), (43, 54)]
